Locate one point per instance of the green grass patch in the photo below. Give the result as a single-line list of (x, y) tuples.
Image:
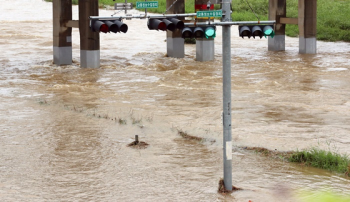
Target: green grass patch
[(314, 157), (308, 196), (323, 159)]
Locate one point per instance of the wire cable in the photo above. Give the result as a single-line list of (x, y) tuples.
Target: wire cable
[(169, 7), (252, 10)]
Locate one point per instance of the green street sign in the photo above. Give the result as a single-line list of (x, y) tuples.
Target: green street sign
[(147, 4), (206, 14)]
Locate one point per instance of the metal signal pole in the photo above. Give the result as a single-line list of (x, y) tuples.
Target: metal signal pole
[(226, 114)]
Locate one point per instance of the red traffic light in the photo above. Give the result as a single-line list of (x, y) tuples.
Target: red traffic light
[(156, 24), (99, 26), (104, 28)]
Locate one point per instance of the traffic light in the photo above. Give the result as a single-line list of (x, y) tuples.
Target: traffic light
[(165, 24), (199, 32), (256, 30), (108, 26)]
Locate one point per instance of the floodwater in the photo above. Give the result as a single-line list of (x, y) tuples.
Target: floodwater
[(64, 130)]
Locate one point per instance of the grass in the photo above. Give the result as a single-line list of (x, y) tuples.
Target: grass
[(314, 157), (323, 159), (185, 135), (122, 121), (308, 196), (332, 15)]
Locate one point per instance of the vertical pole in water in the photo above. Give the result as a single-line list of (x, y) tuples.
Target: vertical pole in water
[(174, 42), (307, 22), (89, 40), (62, 35), (226, 65), (136, 139), (277, 9), (145, 8)]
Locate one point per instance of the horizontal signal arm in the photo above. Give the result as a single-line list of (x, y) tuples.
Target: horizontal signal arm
[(292, 21), (73, 23)]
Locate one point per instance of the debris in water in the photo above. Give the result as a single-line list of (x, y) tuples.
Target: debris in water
[(189, 137), (223, 190), (138, 144)]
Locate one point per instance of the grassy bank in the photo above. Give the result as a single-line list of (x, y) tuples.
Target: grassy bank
[(314, 157), (323, 159), (332, 15)]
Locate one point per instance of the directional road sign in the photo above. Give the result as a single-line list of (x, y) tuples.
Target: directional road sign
[(147, 4), (122, 6), (214, 13)]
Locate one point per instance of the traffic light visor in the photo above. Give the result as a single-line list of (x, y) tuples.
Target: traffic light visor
[(178, 23), (186, 33), (244, 31), (169, 25), (256, 31), (121, 26), (198, 32), (112, 27)]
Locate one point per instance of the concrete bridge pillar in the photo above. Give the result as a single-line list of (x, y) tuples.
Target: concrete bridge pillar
[(307, 17), (277, 9), (175, 43), (89, 40), (307, 23), (204, 47), (62, 35)]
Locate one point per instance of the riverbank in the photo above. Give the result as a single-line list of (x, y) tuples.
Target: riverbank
[(313, 157)]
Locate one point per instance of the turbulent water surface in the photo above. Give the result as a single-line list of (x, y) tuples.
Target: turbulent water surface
[(64, 130)]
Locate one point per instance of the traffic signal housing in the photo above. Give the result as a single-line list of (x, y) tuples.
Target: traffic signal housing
[(256, 30), (165, 24), (108, 26), (208, 32)]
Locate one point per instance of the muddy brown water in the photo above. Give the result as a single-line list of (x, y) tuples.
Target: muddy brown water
[(61, 139)]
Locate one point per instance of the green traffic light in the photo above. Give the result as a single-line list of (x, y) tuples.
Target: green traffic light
[(210, 32), (268, 31)]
